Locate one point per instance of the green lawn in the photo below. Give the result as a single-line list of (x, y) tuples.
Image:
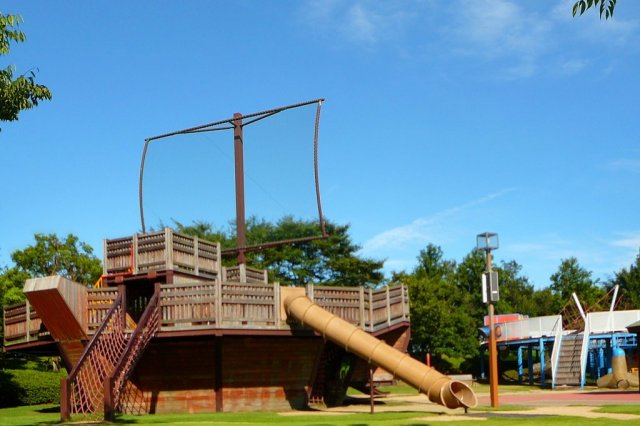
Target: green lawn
[(30, 415), (625, 409), (49, 414)]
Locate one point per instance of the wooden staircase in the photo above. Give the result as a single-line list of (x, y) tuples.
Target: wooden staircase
[(117, 382), (330, 354), (95, 385), (568, 370)]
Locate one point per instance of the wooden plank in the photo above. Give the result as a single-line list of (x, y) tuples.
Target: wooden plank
[(211, 320)]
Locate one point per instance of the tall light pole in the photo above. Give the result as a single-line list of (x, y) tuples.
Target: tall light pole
[(489, 241)]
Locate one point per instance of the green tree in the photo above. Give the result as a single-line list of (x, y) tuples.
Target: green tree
[(331, 261), (21, 92), (440, 321), (573, 278), (547, 303), (50, 255), (11, 283), (516, 293), (606, 7), (629, 282), (469, 280)]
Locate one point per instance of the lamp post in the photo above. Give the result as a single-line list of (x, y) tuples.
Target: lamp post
[(489, 241)]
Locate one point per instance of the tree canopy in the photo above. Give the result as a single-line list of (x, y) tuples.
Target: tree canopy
[(331, 261), (629, 281), (572, 278), (21, 92), (441, 323), (50, 255)]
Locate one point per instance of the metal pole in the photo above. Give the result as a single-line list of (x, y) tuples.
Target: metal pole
[(493, 349), (241, 226)]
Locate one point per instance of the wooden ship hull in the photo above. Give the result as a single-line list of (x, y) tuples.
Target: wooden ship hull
[(169, 330)]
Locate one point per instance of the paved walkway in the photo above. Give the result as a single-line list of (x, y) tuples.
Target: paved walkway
[(535, 403)]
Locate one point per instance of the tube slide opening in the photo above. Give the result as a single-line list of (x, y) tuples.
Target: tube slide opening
[(464, 394)]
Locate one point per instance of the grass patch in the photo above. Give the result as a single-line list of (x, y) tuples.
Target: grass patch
[(620, 409), (49, 414), (43, 414)]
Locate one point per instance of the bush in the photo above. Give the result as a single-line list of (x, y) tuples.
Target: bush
[(29, 387)]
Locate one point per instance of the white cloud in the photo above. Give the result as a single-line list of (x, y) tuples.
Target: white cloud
[(630, 241), (500, 27), (513, 39), (422, 229), (524, 40), (625, 165), (363, 22), (360, 24), (572, 66)]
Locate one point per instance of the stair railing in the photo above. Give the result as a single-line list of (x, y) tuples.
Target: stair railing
[(83, 390), (146, 329), (584, 351), (555, 352)]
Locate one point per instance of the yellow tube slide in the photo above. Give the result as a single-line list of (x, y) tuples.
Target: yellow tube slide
[(438, 387)]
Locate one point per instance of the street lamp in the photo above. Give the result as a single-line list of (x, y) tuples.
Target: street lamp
[(489, 241)]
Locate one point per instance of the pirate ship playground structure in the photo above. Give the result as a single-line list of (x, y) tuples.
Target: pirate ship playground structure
[(168, 328)]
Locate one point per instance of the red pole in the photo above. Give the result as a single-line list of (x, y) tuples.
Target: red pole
[(428, 359)]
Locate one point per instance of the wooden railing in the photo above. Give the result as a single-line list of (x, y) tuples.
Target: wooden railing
[(82, 392), (117, 380), (233, 305), (346, 302), (370, 309), (22, 324), (244, 274), (99, 301), (164, 250), (257, 306), (188, 306)]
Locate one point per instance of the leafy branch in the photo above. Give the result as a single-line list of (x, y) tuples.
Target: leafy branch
[(606, 7)]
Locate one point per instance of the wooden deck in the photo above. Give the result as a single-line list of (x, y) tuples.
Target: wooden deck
[(197, 307)]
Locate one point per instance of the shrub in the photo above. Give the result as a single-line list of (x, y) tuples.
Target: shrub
[(29, 387)]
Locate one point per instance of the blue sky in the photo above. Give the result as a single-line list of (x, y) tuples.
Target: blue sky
[(442, 120)]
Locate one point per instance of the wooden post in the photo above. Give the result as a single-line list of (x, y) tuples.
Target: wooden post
[(310, 292), (106, 257), (134, 261), (362, 319), (65, 400), (242, 270), (218, 302), (241, 226), (371, 388), (168, 248), (109, 409), (404, 302), (27, 308), (388, 306), (196, 256), (370, 310), (123, 293)]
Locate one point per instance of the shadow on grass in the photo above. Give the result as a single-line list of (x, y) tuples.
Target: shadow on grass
[(55, 409)]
